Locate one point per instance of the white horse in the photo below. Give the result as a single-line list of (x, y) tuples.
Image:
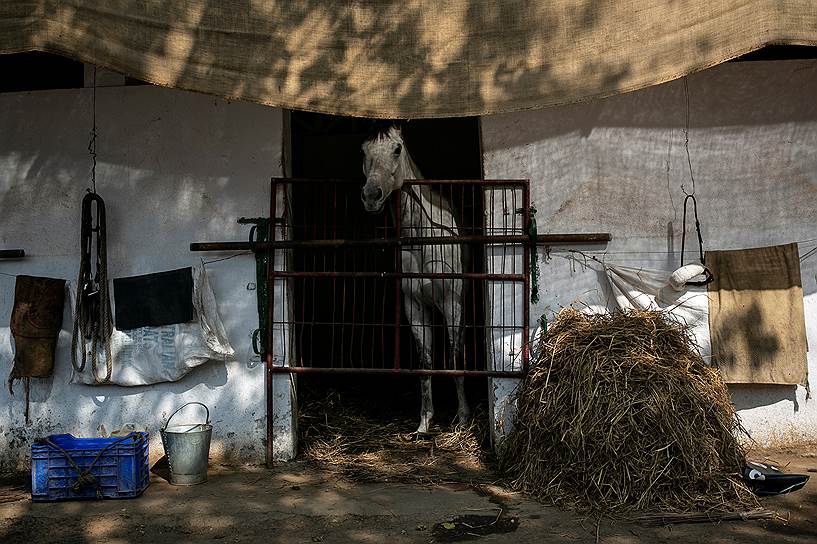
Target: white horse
[(387, 165)]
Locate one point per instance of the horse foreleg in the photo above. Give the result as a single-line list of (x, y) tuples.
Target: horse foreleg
[(463, 411), (426, 405), (452, 310), (420, 319)]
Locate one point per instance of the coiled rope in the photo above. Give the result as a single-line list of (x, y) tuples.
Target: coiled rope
[(93, 323)]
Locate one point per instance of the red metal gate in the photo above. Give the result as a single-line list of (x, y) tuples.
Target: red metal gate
[(341, 281)]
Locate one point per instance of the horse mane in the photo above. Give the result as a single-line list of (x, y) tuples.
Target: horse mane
[(432, 194), (380, 128)]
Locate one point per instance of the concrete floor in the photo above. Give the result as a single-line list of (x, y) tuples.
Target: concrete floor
[(297, 503)]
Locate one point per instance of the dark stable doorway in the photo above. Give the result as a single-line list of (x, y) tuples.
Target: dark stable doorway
[(351, 323)]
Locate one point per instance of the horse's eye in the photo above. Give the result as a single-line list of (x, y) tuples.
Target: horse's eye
[(398, 149)]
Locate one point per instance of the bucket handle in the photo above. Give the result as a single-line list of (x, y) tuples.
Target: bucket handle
[(180, 408)]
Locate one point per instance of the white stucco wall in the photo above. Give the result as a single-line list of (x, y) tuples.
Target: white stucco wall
[(617, 166), (177, 167), (174, 168)]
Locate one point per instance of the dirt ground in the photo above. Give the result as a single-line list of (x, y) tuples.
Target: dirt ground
[(296, 502)]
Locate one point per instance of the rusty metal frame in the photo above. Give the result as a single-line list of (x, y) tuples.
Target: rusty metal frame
[(397, 242)]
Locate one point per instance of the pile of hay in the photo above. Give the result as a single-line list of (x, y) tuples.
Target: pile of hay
[(356, 440), (620, 413)]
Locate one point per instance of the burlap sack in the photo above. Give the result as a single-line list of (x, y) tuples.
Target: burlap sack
[(36, 321), (756, 316)]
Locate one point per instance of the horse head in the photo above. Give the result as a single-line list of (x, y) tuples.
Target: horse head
[(384, 159)]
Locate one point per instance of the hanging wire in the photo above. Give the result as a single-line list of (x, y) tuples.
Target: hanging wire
[(92, 141), (587, 255), (808, 254), (669, 190), (686, 138), (203, 262), (663, 253)]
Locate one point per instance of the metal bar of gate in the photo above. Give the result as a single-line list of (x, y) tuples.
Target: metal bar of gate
[(270, 323), (396, 371), (398, 291), (526, 250), (350, 181), (400, 275), (543, 239)]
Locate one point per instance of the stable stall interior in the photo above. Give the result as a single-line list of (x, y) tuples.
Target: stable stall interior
[(350, 322)]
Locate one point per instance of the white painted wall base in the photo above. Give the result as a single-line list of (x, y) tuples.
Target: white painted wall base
[(285, 417), (284, 386), (502, 408)]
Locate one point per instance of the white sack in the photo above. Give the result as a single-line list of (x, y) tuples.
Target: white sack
[(645, 289), (149, 355)]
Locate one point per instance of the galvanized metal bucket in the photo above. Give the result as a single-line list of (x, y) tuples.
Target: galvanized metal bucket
[(187, 448)]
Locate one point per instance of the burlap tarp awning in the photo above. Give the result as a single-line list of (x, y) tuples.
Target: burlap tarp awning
[(405, 59)]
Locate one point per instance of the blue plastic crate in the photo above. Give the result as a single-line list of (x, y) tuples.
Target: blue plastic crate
[(112, 468)]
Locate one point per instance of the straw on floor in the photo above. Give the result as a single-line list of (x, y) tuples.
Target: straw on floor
[(342, 435), (620, 413)]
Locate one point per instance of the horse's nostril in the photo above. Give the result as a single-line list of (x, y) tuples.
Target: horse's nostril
[(371, 194)]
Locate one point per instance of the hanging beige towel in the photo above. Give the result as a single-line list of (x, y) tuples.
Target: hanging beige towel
[(756, 315)]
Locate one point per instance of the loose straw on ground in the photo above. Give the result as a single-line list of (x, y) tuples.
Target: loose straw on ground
[(344, 437), (620, 413)]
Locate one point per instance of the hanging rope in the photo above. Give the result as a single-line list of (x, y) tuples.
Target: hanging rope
[(533, 235), (92, 141), (93, 322), (707, 273), (697, 229), (691, 197), (686, 139)]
